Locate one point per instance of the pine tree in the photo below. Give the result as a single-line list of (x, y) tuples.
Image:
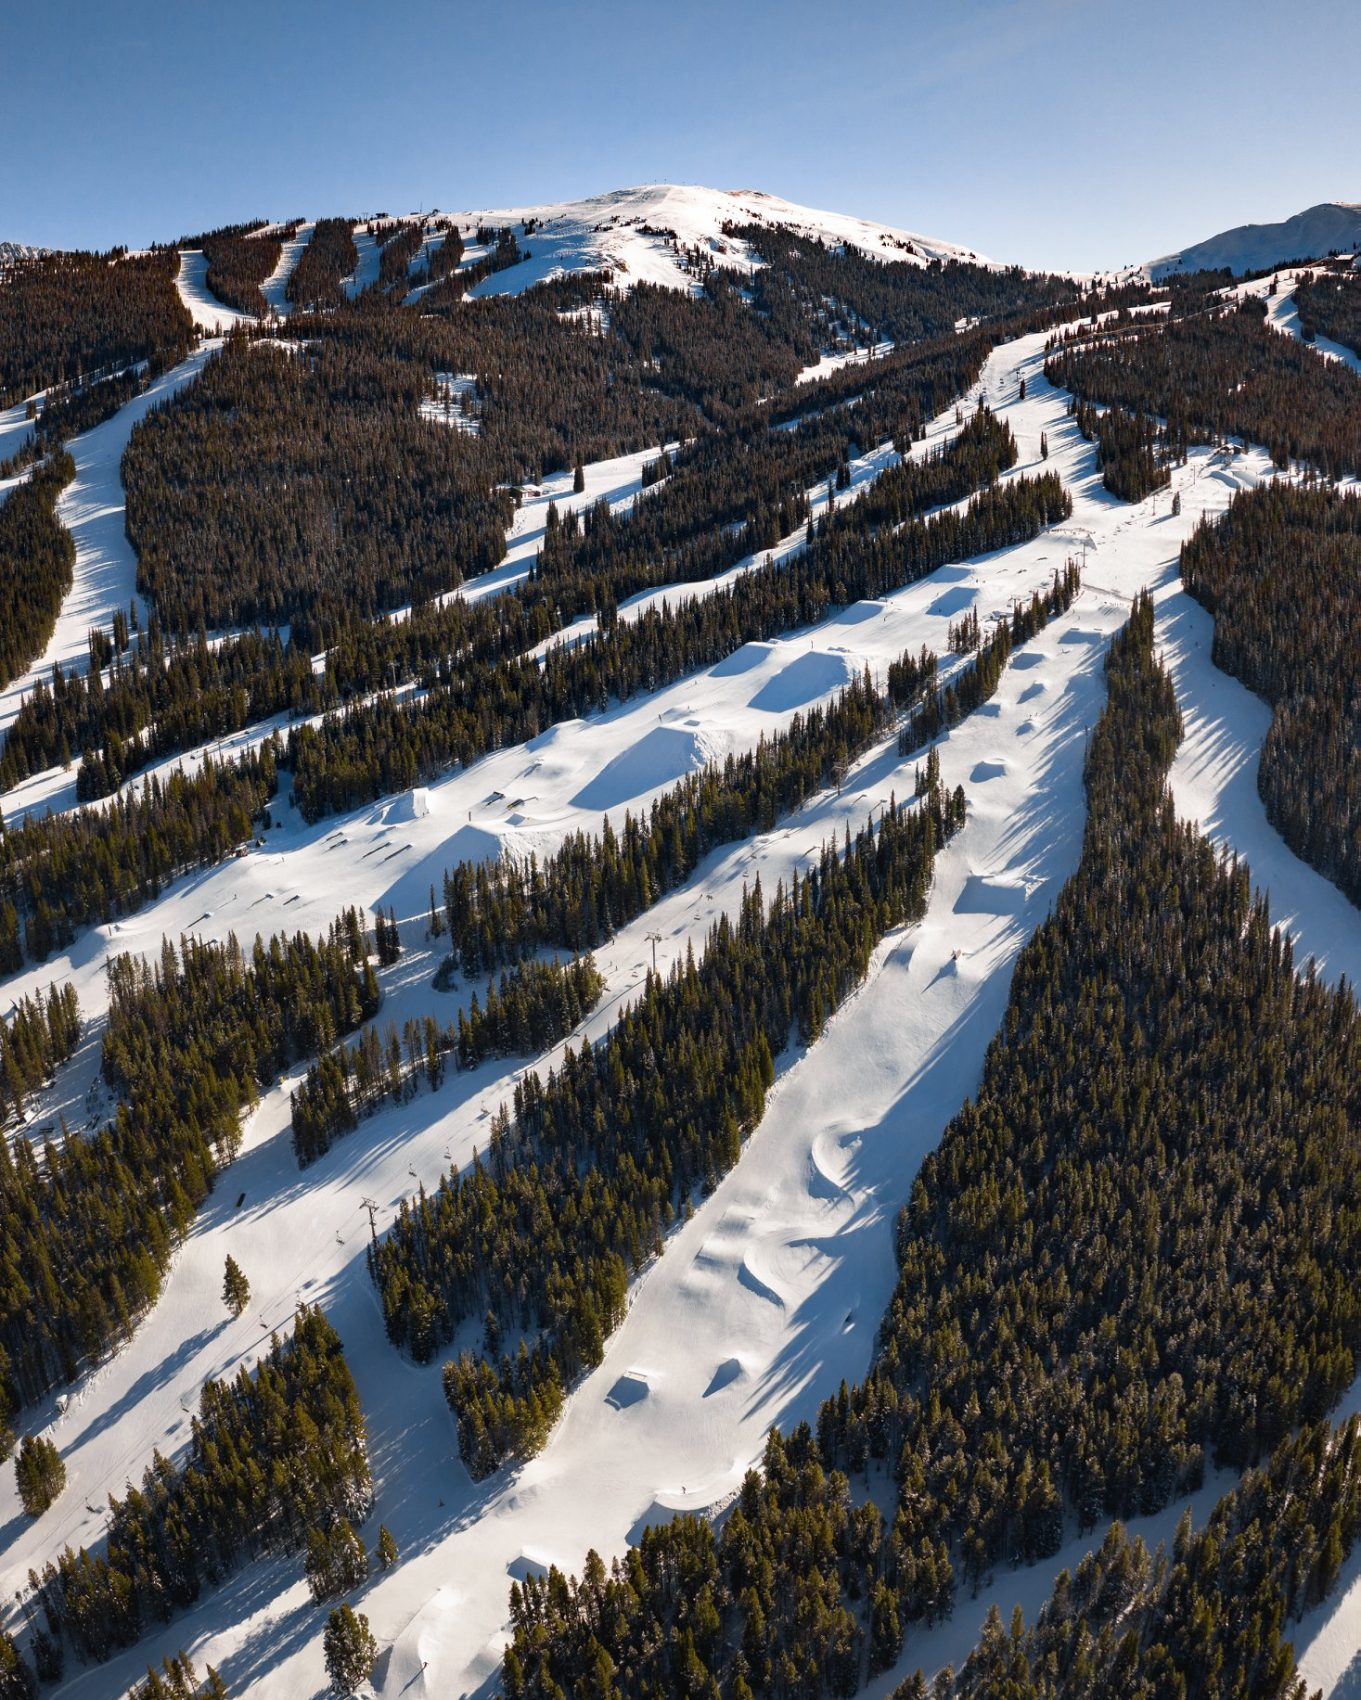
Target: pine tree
[(387, 1548), (16, 1679), (235, 1287), (40, 1474), (350, 1649), (579, 479)]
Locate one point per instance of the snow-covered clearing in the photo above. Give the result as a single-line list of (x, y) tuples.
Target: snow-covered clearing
[(829, 363), (92, 509), (449, 407), (773, 1290)]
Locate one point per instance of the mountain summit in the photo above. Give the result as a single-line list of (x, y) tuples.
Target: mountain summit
[(1330, 227)]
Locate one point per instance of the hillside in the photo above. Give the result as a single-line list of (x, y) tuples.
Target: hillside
[(1332, 227), (678, 957), (631, 232)]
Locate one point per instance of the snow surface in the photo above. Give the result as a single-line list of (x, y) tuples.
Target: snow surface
[(773, 1290), (607, 231), (215, 316), (92, 507), (207, 312), (829, 363), (1330, 227), (1283, 314), (15, 430), (365, 273), (277, 282)]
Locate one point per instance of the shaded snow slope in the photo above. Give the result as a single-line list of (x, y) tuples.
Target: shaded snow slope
[(1330, 227)]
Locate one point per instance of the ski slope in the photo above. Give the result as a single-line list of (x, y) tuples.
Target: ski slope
[(92, 507), (1283, 314), (772, 1291), (216, 317), (207, 312)]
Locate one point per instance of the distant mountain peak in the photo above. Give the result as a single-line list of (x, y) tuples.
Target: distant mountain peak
[(628, 231), (1330, 227)]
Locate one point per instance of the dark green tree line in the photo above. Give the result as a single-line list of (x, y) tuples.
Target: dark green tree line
[(329, 257), (535, 1006), (581, 1185), (1205, 1621), (1222, 373), (1329, 304), (88, 1222), (60, 873), (273, 1454), (1281, 573), (1132, 450), (35, 1039), (71, 315), (239, 260), (37, 557)]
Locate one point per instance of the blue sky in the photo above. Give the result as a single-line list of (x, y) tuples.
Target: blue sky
[(1076, 133)]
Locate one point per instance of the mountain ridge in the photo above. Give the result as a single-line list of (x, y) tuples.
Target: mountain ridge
[(1327, 227)]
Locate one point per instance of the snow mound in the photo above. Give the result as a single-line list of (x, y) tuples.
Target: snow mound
[(471, 843), (952, 601), (992, 894), (803, 681), (659, 757), (858, 613), (415, 805), (729, 1371), (754, 1283), (630, 1389), (1037, 689), (669, 1503), (555, 734), (410, 1664), (827, 1163), (741, 661), (984, 770)]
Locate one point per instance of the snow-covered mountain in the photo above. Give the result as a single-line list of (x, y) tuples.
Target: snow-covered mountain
[(630, 231), (1330, 227)]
